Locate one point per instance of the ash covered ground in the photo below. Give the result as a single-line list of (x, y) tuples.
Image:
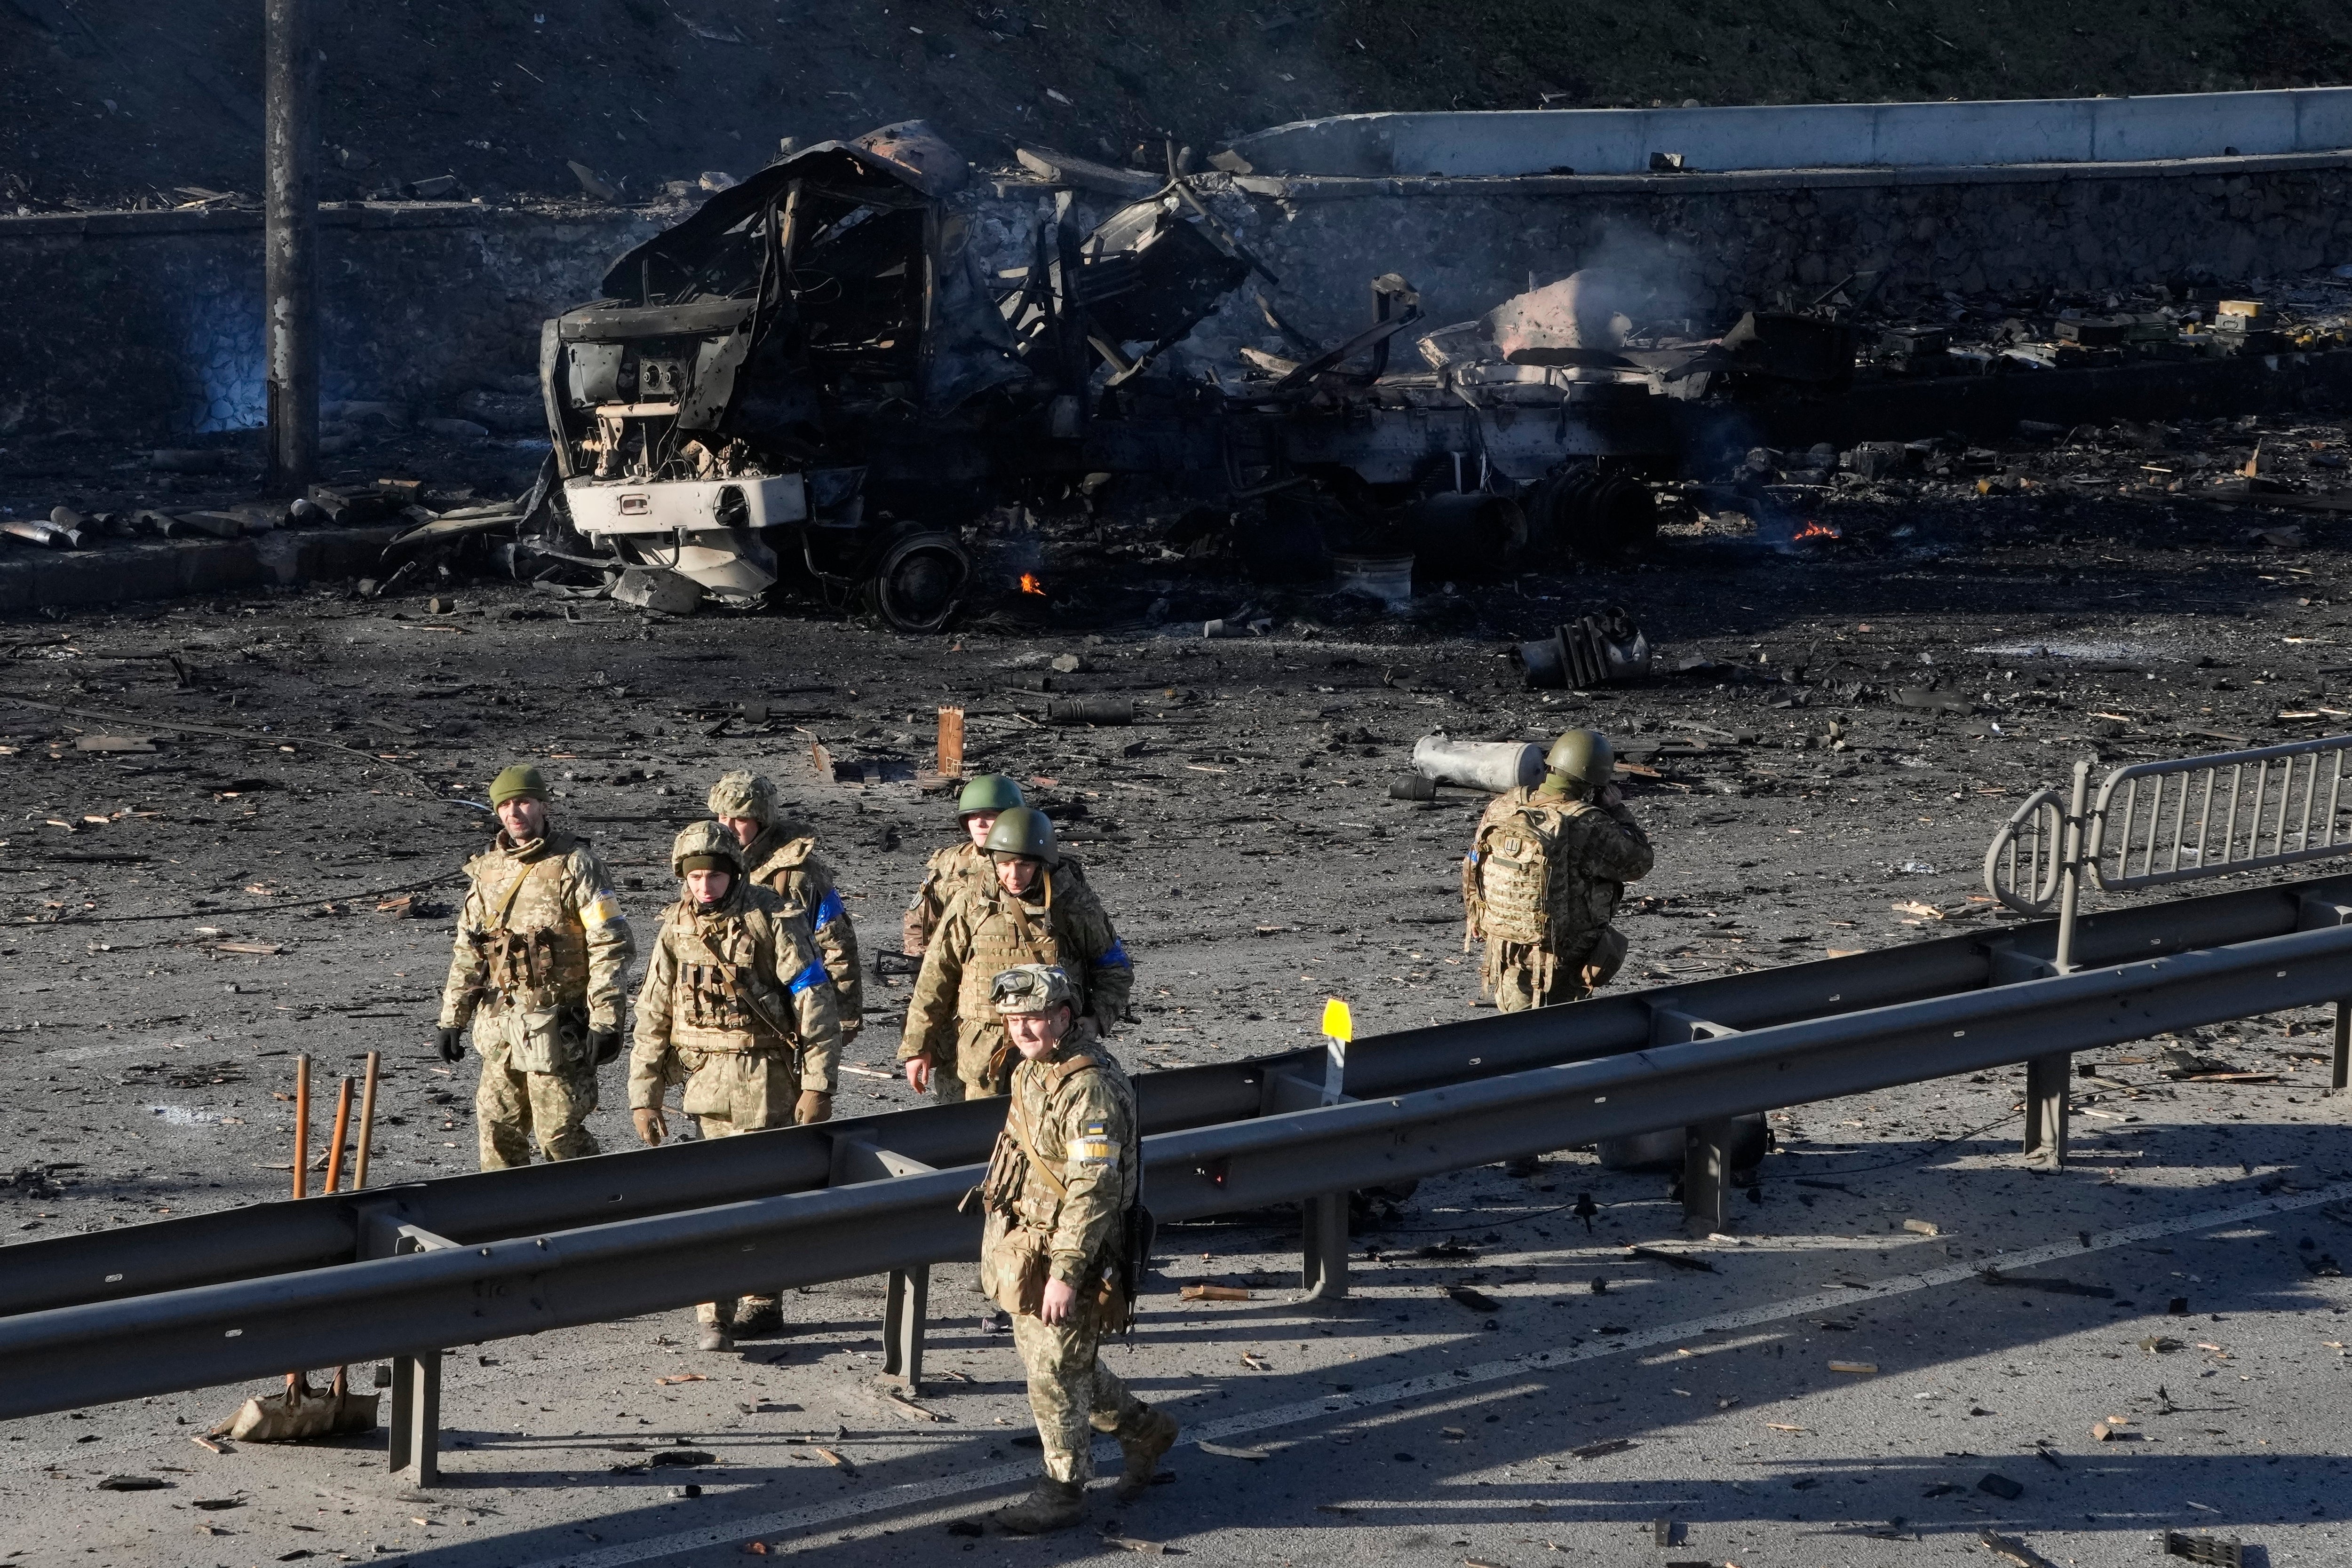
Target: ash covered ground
[(181, 922)]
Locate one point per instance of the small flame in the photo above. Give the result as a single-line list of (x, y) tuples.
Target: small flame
[(1029, 583), (1812, 531)]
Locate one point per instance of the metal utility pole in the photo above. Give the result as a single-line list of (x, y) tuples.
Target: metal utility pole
[(289, 243)]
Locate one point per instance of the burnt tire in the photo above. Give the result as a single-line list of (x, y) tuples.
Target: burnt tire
[(918, 581), (1593, 514)]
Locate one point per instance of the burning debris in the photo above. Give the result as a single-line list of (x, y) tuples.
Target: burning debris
[(810, 387)]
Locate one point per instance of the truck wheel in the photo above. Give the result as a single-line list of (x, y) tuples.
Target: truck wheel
[(919, 582)]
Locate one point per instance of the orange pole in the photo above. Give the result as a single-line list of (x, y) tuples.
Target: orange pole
[(367, 1122), (301, 1123), (343, 1125)]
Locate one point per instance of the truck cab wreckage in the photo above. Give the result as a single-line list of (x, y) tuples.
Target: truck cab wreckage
[(809, 381), (814, 383)]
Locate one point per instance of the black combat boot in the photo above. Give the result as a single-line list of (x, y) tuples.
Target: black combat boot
[(1054, 1505), (1145, 1438)]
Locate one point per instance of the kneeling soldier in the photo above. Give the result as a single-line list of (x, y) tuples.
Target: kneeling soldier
[(737, 1006), (1062, 1187)]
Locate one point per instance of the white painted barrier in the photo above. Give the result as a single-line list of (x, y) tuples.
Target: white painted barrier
[(1811, 136)]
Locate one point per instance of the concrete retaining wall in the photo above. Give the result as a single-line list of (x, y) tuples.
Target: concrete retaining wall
[(150, 322), (1811, 136), (1714, 244)]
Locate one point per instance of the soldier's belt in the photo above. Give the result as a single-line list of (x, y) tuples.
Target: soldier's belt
[(732, 1044)]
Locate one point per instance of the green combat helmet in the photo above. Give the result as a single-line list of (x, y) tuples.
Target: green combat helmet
[(743, 793), (1584, 756), (1023, 830), (705, 846), (989, 792), (521, 782), (1032, 988)]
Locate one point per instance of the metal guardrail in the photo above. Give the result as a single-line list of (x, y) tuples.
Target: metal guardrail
[(289, 1236), (406, 1305), (208, 1299)]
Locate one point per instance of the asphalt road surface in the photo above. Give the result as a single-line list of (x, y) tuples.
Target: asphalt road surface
[(181, 921)]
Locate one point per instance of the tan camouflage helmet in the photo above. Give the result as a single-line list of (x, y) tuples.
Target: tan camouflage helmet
[(743, 793), (705, 846), (1032, 988)]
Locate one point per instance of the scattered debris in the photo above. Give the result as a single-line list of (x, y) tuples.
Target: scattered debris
[(1995, 1484), (2204, 1549), (1228, 1452), (1686, 1261), (2010, 1547), (1205, 1292), (2054, 1287), (1607, 1445), (301, 1413)]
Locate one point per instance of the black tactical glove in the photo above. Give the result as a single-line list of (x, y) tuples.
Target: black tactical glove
[(453, 1045), (605, 1043)]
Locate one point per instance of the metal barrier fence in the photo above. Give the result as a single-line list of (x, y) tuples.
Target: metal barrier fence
[(2201, 817), (2159, 822), (2268, 797)]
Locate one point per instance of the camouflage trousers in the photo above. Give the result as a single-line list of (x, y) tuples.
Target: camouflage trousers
[(729, 1313), (1521, 987), (1524, 977), (516, 1112), (1071, 1393)]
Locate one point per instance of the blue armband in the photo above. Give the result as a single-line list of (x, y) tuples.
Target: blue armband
[(1115, 956), (813, 975), (831, 910)]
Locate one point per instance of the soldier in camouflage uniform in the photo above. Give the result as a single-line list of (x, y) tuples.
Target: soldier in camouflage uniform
[(1065, 1174), (737, 1007), (1544, 874), (536, 969), (1027, 913), (779, 854), (961, 866)]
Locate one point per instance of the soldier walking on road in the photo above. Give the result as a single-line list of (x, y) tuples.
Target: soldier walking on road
[(1062, 1247), (1545, 869), (536, 969), (779, 854), (737, 1005), (1029, 912), (959, 865)]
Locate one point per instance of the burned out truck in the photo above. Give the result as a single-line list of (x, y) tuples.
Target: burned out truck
[(812, 382)]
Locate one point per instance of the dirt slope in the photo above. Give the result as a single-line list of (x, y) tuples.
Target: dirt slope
[(112, 100)]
